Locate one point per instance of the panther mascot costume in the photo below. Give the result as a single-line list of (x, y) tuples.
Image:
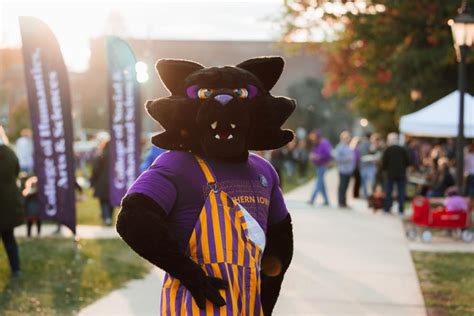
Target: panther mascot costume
[(208, 212)]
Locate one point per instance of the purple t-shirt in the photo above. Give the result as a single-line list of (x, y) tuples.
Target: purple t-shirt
[(176, 182), (455, 203), (323, 152)]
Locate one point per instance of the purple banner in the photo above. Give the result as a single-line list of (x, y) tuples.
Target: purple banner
[(50, 112), (125, 118)]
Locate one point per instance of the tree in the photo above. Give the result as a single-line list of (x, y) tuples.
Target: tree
[(315, 111), (389, 57), (19, 119)]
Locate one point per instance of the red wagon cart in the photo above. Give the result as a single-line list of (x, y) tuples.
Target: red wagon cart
[(431, 214)]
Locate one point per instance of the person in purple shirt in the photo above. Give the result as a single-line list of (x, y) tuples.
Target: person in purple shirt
[(454, 201), (208, 212), (320, 156)]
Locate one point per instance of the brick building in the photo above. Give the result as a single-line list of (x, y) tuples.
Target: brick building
[(209, 53), (88, 89)]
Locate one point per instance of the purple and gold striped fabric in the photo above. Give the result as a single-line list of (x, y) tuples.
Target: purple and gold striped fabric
[(220, 244)]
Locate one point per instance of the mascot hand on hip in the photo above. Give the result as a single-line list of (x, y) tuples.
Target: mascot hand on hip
[(208, 212)]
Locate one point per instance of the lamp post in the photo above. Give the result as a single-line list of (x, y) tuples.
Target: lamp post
[(462, 27)]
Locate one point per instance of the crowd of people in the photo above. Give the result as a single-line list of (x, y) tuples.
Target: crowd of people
[(290, 161), (356, 158), (19, 198), (376, 168), (434, 166)]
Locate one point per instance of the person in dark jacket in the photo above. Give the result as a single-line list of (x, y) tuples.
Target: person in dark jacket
[(100, 182), (443, 179), (277, 159), (11, 214), (355, 145), (395, 161)]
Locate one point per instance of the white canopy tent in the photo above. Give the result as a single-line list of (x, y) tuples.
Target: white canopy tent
[(440, 119)]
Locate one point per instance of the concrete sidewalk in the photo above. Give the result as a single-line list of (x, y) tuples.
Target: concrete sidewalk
[(346, 262), (139, 297)]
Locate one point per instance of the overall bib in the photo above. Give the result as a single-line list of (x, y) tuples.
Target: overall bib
[(227, 243)]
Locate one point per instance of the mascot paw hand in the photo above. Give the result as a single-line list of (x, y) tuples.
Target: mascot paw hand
[(208, 289)]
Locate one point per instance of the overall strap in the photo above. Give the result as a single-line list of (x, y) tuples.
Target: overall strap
[(211, 180)]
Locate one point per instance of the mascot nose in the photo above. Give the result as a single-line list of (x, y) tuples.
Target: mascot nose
[(223, 98)]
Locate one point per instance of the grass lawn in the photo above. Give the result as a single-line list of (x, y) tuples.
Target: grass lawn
[(290, 183), (447, 282), (88, 209), (58, 280)]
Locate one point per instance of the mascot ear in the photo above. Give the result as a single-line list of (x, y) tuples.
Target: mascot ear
[(266, 133), (266, 69), (173, 72), (177, 117)]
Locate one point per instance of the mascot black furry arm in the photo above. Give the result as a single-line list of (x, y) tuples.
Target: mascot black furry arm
[(207, 212)]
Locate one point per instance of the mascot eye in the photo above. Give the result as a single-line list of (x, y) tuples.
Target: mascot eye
[(242, 93), (204, 93)]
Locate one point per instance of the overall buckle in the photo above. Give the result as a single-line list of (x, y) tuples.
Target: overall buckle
[(213, 186)]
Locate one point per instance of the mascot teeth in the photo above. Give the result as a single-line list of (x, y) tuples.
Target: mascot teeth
[(232, 125), (214, 125), (217, 136)]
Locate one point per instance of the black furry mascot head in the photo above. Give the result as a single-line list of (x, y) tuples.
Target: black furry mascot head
[(221, 112)]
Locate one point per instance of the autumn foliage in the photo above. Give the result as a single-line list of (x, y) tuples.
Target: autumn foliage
[(380, 54)]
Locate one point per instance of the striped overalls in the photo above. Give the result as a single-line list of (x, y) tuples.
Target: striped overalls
[(220, 243)]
